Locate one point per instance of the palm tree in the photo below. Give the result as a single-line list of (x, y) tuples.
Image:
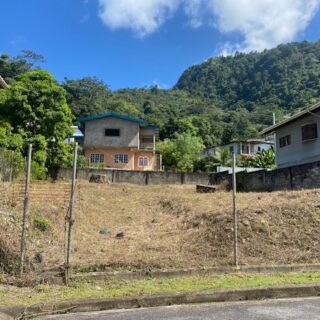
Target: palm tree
[(221, 157)]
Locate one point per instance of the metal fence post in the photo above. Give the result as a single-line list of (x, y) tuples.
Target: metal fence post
[(25, 212), (70, 218), (235, 216)]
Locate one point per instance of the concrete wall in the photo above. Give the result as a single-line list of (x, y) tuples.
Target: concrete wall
[(139, 177), (297, 152), (95, 133), (292, 178), (304, 176)]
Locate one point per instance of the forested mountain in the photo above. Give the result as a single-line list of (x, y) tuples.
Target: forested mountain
[(286, 77), (219, 100)]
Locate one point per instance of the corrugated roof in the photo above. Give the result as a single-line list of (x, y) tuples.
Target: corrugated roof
[(110, 115), (293, 118)]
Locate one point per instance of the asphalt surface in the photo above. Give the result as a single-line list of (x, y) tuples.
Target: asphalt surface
[(293, 309)]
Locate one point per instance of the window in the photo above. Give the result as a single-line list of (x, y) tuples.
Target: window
[(121, 158), (231, 149), (245, 149), (143, 161), (285, 141), (112, 132), (96, 158), (309, 132), (259, 149)]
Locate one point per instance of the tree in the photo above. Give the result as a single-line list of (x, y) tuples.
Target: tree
[(221, 157), (86, 96), (122, 107), (12, 68), (90, 95), (35, 107), (181, 152)]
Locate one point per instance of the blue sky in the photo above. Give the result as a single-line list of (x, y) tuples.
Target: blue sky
[(136, 43)]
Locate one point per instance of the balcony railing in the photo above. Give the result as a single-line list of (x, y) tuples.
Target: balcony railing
[(146, 146)]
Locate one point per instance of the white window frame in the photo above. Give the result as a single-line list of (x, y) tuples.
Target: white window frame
[(96, 158), (143, 161), (121, 158)]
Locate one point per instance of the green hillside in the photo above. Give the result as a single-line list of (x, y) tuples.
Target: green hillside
[(286, 77)]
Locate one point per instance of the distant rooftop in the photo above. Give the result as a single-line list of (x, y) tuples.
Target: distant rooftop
[(111, 115), (253, 141), (119, 116), (76, 132)]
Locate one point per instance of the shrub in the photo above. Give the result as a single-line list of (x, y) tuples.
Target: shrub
[(40, 223)]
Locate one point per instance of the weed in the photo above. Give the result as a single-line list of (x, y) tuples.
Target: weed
[(40, 223)]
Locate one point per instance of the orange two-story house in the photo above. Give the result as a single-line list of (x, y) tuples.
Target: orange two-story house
[(117, 141)]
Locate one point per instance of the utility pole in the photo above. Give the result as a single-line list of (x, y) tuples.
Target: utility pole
[(273, 118), (235, 216), (70, 219), (25, 212)]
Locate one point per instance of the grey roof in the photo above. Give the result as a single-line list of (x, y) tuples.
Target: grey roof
[(76, 132), (253, 141), (293, 118), (256, 141)]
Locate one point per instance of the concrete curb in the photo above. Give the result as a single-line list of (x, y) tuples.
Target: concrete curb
[(217, 295)]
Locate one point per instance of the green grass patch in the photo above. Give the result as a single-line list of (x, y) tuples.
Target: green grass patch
[(111, 287), (40, 223)]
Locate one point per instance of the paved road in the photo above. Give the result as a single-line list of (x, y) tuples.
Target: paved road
[(293, 309)]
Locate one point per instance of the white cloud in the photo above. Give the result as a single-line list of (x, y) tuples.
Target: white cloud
[(142, 16), (193, 9), (262, 23)]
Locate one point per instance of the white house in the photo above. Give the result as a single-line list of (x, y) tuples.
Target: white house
[(243, 147), (296, 138)]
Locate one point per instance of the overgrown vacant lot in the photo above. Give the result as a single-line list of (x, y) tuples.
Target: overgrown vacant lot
[(133, 227)]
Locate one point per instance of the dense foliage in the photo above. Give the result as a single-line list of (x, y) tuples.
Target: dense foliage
[(262, 159), (34, 110), (181, 152), (286, 77)]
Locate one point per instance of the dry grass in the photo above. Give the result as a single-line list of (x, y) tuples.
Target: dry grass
[(170, 226)]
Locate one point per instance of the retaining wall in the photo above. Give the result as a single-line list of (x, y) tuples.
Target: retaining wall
[(304, 176), (138, 177), (292, 178)]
